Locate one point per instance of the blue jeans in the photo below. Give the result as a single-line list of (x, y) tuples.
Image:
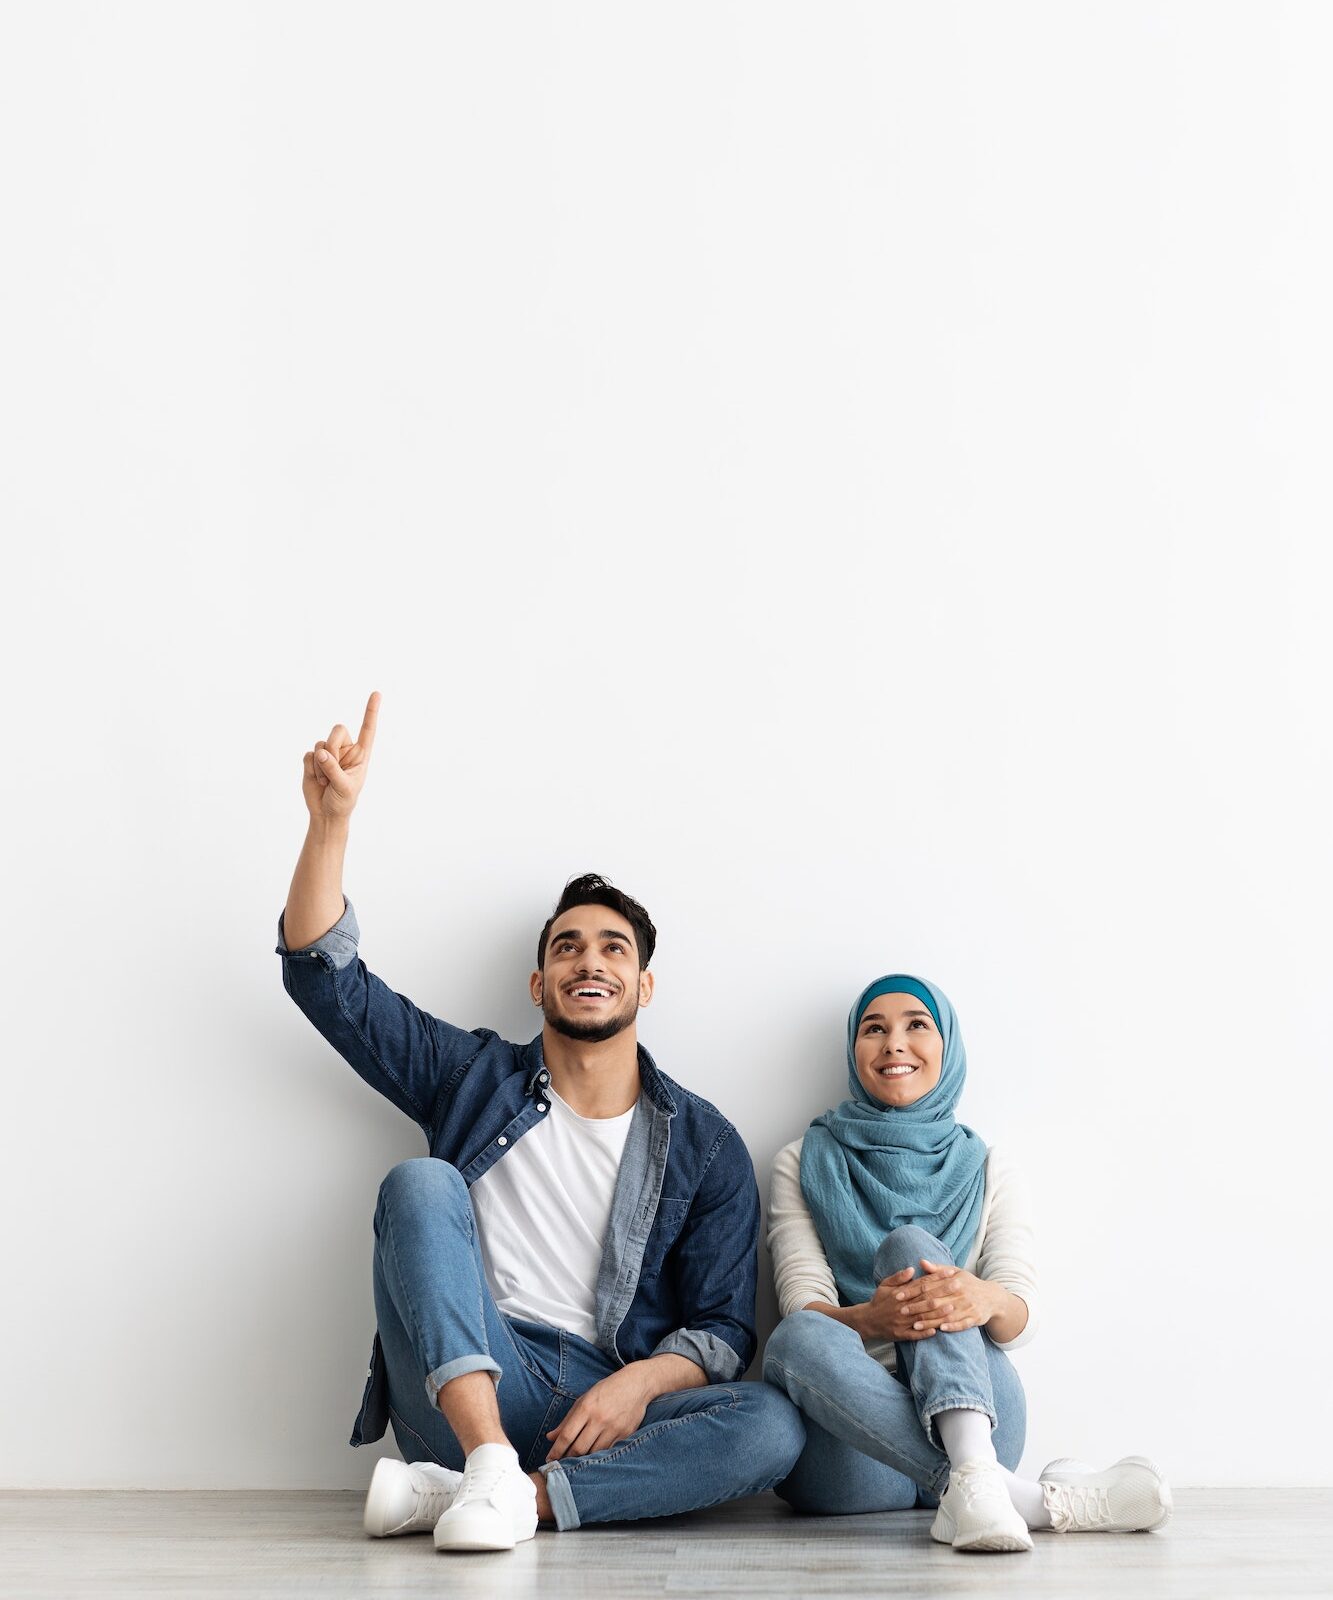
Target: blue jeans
[(871, 1444), (438, 1320)]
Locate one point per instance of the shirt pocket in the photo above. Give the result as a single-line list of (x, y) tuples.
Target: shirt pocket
[(668, 1222)]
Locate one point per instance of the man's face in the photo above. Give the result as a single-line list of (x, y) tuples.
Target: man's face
[(591, 986)]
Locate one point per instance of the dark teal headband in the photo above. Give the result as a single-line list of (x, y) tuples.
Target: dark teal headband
[(898, 984)]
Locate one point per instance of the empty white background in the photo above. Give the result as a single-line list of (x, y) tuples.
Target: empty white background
[(855, 475)]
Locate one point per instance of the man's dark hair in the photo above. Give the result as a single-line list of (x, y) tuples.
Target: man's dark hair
[(593, 890)]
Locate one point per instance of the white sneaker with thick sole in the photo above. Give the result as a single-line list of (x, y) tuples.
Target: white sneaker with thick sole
[(495, 1506), (1131, 1496), (407, 1497), (976, 1512)]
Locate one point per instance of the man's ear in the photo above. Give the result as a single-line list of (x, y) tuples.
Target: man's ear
[(645, 987), (535, 988)]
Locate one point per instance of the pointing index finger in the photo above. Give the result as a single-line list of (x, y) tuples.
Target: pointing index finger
[(366, 738)]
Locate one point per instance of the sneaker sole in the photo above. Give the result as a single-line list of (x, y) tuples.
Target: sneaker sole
[(980, 1543), (995, 1542), (478, 1534)]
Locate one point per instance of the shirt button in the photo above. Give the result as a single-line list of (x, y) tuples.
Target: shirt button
[(541, 1105), (544, 1077), (502, 1140)]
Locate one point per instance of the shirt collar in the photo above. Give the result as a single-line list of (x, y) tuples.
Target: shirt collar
[(654, 1084)]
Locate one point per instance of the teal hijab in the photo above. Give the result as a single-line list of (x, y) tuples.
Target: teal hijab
[(868, 1168)]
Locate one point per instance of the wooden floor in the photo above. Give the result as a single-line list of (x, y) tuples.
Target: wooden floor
[(1251, 1542)]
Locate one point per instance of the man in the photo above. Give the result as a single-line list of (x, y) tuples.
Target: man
[(564, 1288)]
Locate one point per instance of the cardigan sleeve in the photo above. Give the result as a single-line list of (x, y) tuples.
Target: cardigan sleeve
[(801, 1272), (1007, 1251)]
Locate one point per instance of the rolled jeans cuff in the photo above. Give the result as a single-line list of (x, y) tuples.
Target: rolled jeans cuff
[(435, 1381), (561, 1496), (954, 1403)]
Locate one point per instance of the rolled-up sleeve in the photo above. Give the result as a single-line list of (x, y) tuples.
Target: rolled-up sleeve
[(339, 943), (716, 1261)]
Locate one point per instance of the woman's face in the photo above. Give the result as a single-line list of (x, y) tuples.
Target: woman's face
[(899, 1050)]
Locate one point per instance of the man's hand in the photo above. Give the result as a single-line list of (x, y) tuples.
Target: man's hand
[(946, 1298), (605, 1414), (336, 768)]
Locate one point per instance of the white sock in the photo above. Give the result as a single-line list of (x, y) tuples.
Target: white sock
[(965, 1436), (1028, 1500)]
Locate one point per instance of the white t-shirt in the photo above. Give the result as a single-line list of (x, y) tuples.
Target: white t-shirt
[(542, 1214), (1002, 1250)]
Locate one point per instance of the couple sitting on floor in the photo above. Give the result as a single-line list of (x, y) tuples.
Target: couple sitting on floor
[(564, 1288)]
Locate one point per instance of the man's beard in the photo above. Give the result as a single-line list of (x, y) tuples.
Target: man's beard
[(592, 1032)]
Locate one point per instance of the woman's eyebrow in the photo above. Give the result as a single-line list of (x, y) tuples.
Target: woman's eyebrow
[(878, 1016)]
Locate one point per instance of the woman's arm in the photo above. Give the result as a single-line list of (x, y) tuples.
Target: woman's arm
[(1007, 1259), (801, 1272), (1006, 1323)]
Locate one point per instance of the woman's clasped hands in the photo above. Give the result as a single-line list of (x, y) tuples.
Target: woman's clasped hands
[(944, 1299)]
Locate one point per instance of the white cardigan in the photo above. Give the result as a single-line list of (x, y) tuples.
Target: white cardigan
[(1001, 1252)]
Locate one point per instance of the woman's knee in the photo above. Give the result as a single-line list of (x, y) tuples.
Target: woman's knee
[(905, 1247)]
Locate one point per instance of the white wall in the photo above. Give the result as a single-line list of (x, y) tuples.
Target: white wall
[(854, 475)]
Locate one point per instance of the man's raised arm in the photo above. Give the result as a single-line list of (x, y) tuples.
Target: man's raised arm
[(334, 772), (399, 1049)]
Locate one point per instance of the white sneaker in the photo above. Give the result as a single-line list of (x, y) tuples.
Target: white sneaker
[(1064, 1470), (1130, 1497), (495, 1507), (407, 1497), (976, 1512)]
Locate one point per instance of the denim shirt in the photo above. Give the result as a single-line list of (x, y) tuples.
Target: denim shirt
[(680, 1257)]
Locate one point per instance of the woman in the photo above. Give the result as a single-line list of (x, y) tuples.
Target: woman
[(902, 1253)]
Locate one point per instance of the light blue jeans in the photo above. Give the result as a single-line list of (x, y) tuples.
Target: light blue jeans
[(871, 1444), (438, 1320)]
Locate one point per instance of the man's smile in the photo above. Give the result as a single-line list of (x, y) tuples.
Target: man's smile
[(590, 993)]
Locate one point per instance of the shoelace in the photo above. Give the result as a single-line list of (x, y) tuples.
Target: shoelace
[(480, 1483), (1078, 1505), (973, 1486), (432, 1498)]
